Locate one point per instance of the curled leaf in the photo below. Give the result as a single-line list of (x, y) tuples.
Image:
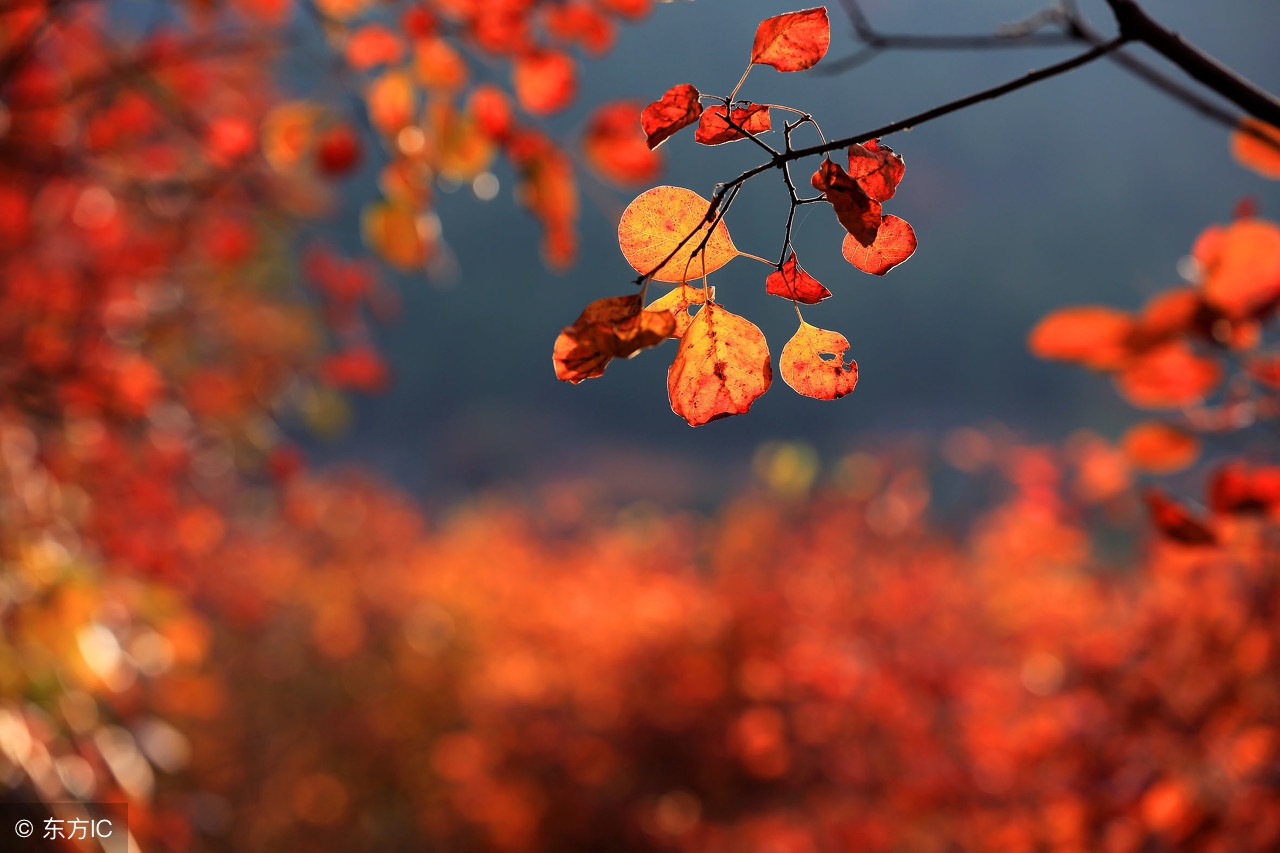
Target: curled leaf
[(668, 224), (794, 41), (1261, 155), (678, 300), (895, 242), (609, 328), (721, 367), (719, 124), (813, 363), (615, 146), (1160, 448), (876, 168), (858, 213), (792, 282), (678, 108), (1092, 335)]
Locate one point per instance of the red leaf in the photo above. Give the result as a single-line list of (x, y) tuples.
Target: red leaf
[(858, 213), (616, 148), (609, 328), (374, 45), (1261, 156), (714, 129), (794, 41), (359, 369), (1160, 448), (895, 242), (337, 151), (792, 282), (1242, 267), (1092, 335), (1175, 522), (545, 81), (876, 168), (678, 108)]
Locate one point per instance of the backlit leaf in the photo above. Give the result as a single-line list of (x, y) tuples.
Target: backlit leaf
[(545, 81), (609, 328), (396, 232), (616, 148), (858, 213), (373, 45), (877, 168), (721, 367), (391, 99), (1168, 377), (678, 300), (1160, 448), (438, 65), (657, 225), (1262, 157), (794, 41), (792, 282), (678, 108), (895, 242), (813, 363), (1242, 266), (715, 129), (1092, 335)]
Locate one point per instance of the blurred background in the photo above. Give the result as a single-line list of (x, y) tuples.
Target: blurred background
[(273, 601), (1086, 188)]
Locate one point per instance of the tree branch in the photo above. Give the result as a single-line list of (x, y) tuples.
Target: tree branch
[(1136, 25)]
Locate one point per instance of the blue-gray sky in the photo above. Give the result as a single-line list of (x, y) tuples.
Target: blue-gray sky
[(1085, 188)]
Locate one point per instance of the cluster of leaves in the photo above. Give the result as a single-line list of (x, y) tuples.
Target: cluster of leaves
[(670, 234), (441, 120), (802, 674), (1200, 348)]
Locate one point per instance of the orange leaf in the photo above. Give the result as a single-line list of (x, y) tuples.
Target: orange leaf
[(616, 148), (1242, 266), (1092, 335), (721, 367), (438, 65), (545, 81), (792, 282), (374, 45), (288, 132), (794, 41), (657, 225), (1175, 522), (876, 168), (714, 129), (1160, 448), (678, 108), (678, 301), (1262, 157), (1168, 377), (395, 231), (391, 101), (609, 328), (858, 213), (806, 367), (895, 242)]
